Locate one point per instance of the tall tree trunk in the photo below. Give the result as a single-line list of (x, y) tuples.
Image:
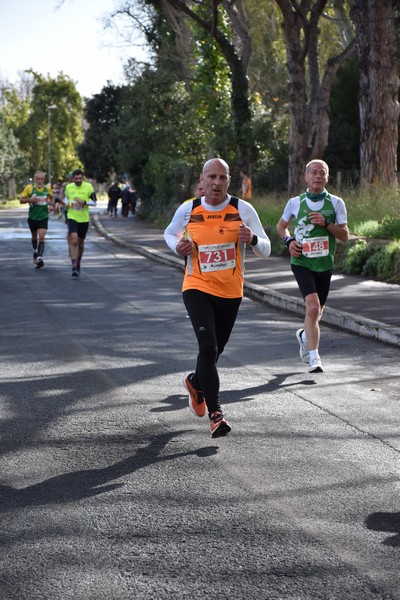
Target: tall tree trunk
[(321, 131), (308, 94), (298, 132), (241, 111), (378, 52)]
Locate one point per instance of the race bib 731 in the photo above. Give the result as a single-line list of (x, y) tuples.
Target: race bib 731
[(217, 257)]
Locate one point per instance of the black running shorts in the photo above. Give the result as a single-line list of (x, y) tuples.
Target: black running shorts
[(80, 228), (313, 282), (35, 225)]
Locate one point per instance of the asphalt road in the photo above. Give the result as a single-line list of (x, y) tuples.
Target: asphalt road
[(111, 490)]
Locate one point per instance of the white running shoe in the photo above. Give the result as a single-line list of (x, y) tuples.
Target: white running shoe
[(315, 366), (39, 262), (304, 354)]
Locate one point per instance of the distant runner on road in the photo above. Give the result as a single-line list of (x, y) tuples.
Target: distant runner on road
[(79, 195), (212, 232), (38, 196)]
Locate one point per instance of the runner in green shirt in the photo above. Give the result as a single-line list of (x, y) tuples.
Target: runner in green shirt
[(320, 219), (38, 196)]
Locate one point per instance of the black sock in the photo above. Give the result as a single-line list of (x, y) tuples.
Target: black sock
[(40, 248)]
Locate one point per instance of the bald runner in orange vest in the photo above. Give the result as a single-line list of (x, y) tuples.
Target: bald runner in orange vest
[(212, 233)]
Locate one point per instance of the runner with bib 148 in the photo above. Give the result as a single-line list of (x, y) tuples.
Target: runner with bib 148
[(320, 220)]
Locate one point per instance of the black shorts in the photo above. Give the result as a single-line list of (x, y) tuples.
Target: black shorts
[(80, 228), (313, 282), (35, 225)]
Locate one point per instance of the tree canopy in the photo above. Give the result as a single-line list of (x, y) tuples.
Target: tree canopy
[(266, 85), (29, 120)]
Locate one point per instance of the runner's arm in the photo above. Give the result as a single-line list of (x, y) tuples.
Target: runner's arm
[(295, 249), (93, 200), (26, 195), (339, 229), (175, 230), (249, 216)]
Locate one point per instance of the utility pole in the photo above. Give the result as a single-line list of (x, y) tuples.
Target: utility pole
[(2, 90), (49, 109), (3, 126)]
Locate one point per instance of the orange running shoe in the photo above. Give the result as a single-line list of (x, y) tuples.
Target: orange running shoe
[(218, 425), (196, 398)]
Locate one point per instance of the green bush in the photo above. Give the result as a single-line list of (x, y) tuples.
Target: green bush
[(370, 203), (388, 228), (386, 264), (356, 256), (368, 229), (371, 266), (373, 260)]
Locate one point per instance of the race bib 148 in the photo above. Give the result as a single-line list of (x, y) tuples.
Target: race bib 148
[(316, 247)]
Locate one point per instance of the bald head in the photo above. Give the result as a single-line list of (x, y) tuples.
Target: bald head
[(215, 179), (210, 164)]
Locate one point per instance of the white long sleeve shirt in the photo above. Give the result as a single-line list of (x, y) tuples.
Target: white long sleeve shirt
[(247, 212)]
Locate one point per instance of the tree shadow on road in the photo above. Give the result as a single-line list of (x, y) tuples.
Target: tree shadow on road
[(383, 521), (77, 485), (179, 401)]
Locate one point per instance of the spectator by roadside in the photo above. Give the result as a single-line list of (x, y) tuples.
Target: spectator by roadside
[(114, 194), (128, 200), (247, 186)]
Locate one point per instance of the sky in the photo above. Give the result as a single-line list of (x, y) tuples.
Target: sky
[(50, 36)]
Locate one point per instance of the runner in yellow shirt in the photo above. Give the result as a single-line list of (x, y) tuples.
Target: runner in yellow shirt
[(79, 195)]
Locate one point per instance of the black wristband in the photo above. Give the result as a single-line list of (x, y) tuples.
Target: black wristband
[(254, 240), (287, 240)]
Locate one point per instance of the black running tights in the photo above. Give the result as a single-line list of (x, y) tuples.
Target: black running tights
[(212, 319)]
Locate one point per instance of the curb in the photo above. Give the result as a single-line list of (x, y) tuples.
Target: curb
[(357, 324)]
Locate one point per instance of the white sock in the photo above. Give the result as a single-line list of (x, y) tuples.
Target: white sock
[(314, 354)]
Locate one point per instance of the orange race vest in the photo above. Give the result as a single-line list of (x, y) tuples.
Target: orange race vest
[(216, 263)]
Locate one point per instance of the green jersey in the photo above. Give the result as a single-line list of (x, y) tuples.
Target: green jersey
[(318, 243), (39, 210)]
